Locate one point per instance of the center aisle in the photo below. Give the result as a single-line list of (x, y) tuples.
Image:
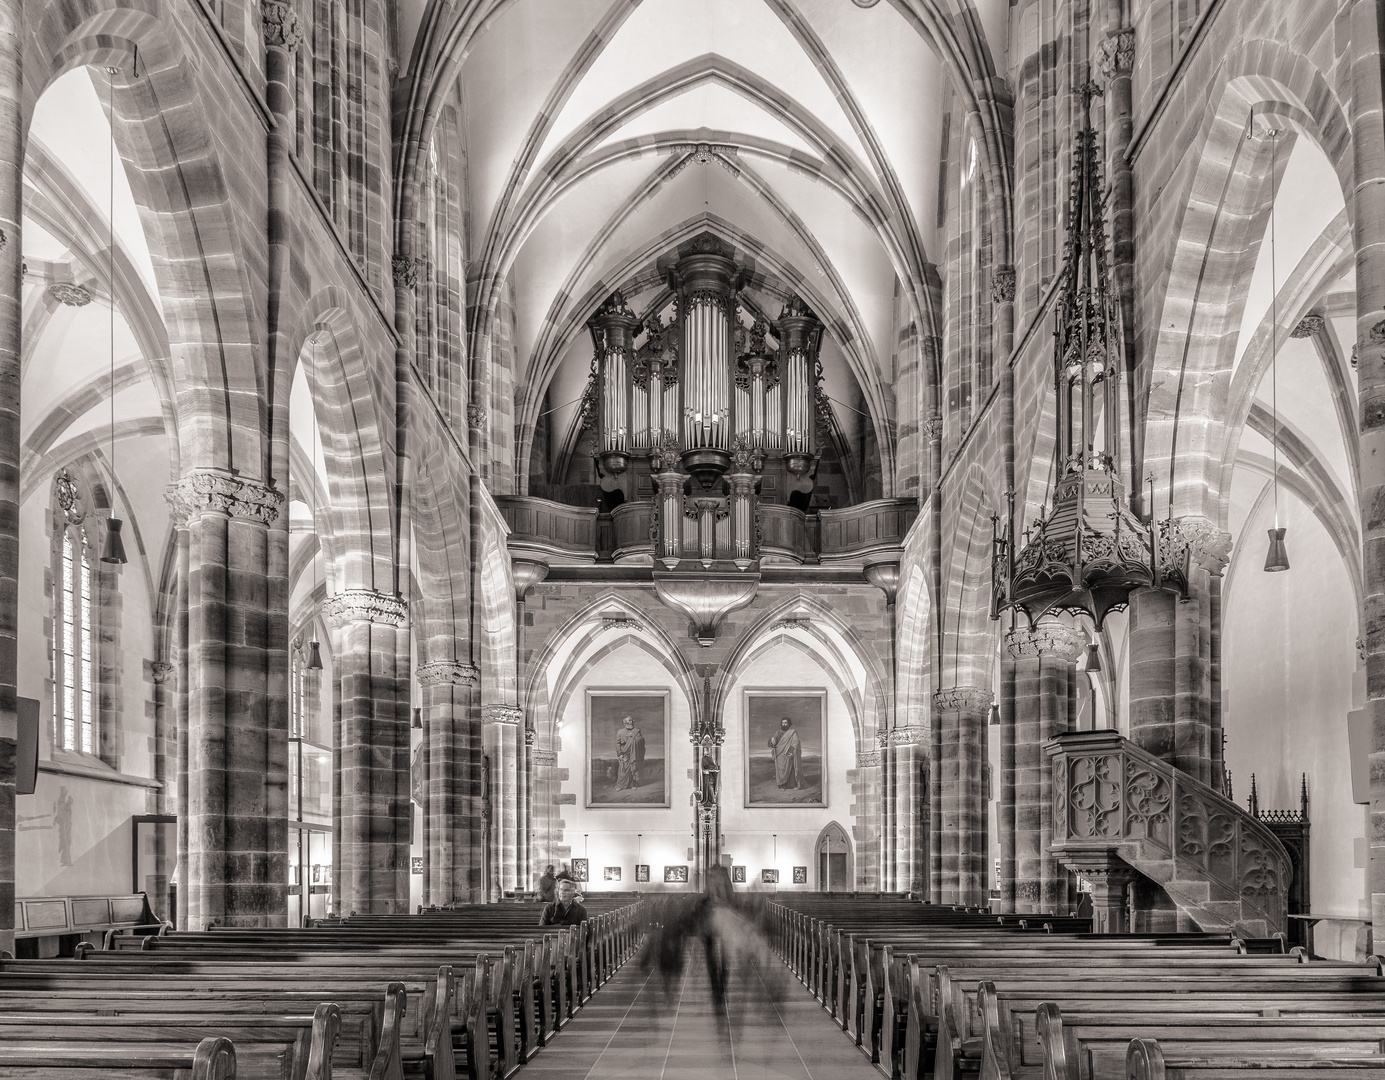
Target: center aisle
[(630, 1029)]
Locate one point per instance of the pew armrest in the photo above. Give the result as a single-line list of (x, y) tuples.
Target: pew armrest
[(1144, 1060), (326, 1027), (1059, 1044), (215, 1059), (388, 1063)]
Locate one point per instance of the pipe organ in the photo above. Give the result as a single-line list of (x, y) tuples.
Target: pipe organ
[(712, 394)]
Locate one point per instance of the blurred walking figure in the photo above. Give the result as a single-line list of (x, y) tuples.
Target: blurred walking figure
[(547, 887)]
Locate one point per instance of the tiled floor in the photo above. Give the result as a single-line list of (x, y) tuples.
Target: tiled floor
[(630, 1030)]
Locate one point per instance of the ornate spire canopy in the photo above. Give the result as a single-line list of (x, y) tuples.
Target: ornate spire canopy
[(1087, 551)]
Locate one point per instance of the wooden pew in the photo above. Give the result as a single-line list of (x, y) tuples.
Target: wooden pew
[(211, 1059)]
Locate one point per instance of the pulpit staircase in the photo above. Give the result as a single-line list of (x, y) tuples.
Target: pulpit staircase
[(1223, 867)]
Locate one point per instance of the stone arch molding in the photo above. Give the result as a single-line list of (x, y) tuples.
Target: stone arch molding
[(1216, 222), (809, 625), (606, 625), (361, 537), (182, 182)]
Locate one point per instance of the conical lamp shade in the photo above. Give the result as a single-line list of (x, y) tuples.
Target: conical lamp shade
[(1277, 557), (314, 656), (114, 549), (1093, 658), (993, 716)]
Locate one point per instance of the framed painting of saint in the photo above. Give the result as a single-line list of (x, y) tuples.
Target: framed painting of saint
[(627, 748), (785, 747)]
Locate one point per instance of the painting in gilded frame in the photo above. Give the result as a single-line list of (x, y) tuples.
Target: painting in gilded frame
[(627, 748), (785, 747)]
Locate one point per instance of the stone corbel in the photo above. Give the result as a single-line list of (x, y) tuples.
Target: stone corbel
[(444, 672), (511, 715), (161, 670), (963, 699), (218, 491), (1204, 545), (1308, 326), (365, 605)]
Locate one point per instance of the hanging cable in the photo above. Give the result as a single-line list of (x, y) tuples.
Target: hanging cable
[(1277, 558), (113, 550)]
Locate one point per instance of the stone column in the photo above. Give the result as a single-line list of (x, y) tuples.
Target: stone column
[(1045, 660), (11, 211), (910, 757), (371, 717), (1171, 643), (1367, 105), (181, 704), (453, 740), (502, 727), (1005, 807), (164, 674), (962, 719), (236, 872)]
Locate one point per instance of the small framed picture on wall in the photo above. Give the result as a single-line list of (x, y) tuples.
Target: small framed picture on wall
[(579, 869), (611, 873), (678, 874), (769, 877), (785, 747), (416, 864), (642, 872), (738, 875), (800, 875)]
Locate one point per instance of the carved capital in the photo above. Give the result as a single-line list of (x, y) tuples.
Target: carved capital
[(1048, 638), (867, 759), (161, 670), (1003, 285), (64, 292), (964, 699), (1116, 55), (544, 759), (216, 491), (502, 714), (405, 271), (280, 24), (365, 605), (475, 416), (1208, 546), (908, 736), (1308, 326), (443, 672)]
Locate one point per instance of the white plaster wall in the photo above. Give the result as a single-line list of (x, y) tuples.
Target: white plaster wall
[(753, 836), (658, 837), (1289, 651)]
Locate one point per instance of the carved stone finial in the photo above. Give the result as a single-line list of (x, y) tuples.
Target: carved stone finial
[(217, 491), (65, 292), (405, 271), (967, 699), (1308, 326), (1003, 285), (1116, 55), (280, 25), (1049, 637), (365, 605), (443, 672)]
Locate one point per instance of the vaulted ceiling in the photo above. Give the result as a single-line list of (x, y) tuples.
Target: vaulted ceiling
[(599, 134)]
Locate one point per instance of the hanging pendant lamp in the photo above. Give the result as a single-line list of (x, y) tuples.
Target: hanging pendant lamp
[(1093, 659), (1277, 557), (113, 550)]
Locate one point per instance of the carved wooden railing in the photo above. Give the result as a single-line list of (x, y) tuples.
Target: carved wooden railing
[(860, 531), (634, 542), (783, 534), (1111, 796), (549, 528)]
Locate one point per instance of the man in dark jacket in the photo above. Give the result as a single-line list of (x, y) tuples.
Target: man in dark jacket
[(565, 911)]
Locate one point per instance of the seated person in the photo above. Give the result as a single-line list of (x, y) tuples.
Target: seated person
[(565, 911)]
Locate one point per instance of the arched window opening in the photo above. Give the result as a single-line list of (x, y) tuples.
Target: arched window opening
[(74, 622), (835, 870)]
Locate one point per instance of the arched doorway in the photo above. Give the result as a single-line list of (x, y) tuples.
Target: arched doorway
[(836, 867)]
